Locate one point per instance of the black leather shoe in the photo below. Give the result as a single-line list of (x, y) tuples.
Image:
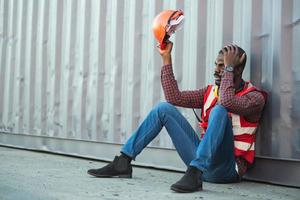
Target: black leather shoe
[(190, 182), (120, 167)]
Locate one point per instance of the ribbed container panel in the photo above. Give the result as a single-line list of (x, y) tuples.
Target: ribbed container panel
[(89, 69)]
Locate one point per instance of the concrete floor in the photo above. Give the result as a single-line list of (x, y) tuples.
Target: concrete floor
[(31, 175)]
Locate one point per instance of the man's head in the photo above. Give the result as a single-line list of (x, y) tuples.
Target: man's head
[(219, 65)]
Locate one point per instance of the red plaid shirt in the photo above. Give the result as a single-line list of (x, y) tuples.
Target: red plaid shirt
[(250, 105)]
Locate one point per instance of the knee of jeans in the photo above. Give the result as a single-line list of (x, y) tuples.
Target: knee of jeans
[(163, 107), (219, 109)]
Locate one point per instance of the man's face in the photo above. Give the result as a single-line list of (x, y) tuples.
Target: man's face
[(219, 69)]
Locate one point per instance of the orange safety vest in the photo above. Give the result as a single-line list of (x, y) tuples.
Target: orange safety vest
[(243, 131)]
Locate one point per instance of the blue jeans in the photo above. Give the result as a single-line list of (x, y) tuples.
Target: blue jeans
[(213, 155)]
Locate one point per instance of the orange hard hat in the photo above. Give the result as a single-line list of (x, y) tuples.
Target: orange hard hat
[(162, 24)]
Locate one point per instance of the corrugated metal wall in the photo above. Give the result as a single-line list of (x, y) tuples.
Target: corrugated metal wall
[(89, 70)]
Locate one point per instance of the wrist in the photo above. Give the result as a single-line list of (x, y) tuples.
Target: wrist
[(229, 68), (167, 60)]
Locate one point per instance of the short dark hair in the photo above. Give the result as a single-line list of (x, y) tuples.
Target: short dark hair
[(241, 52)]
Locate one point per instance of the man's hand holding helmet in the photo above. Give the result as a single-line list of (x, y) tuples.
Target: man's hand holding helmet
[(166, 53)]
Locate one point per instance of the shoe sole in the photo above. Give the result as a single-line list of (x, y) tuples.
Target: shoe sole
[(185, 191), (107, 176)]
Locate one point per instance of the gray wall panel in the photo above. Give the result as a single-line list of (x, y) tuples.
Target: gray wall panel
[(295, 111), (89, 70)]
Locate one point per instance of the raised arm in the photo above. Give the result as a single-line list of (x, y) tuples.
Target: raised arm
[(189, 99)]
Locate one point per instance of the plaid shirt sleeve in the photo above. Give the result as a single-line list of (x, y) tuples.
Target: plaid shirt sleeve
[(188, 99), (248, 105)]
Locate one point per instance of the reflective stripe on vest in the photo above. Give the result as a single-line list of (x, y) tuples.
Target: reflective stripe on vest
[(238, 128), (244, 146)]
